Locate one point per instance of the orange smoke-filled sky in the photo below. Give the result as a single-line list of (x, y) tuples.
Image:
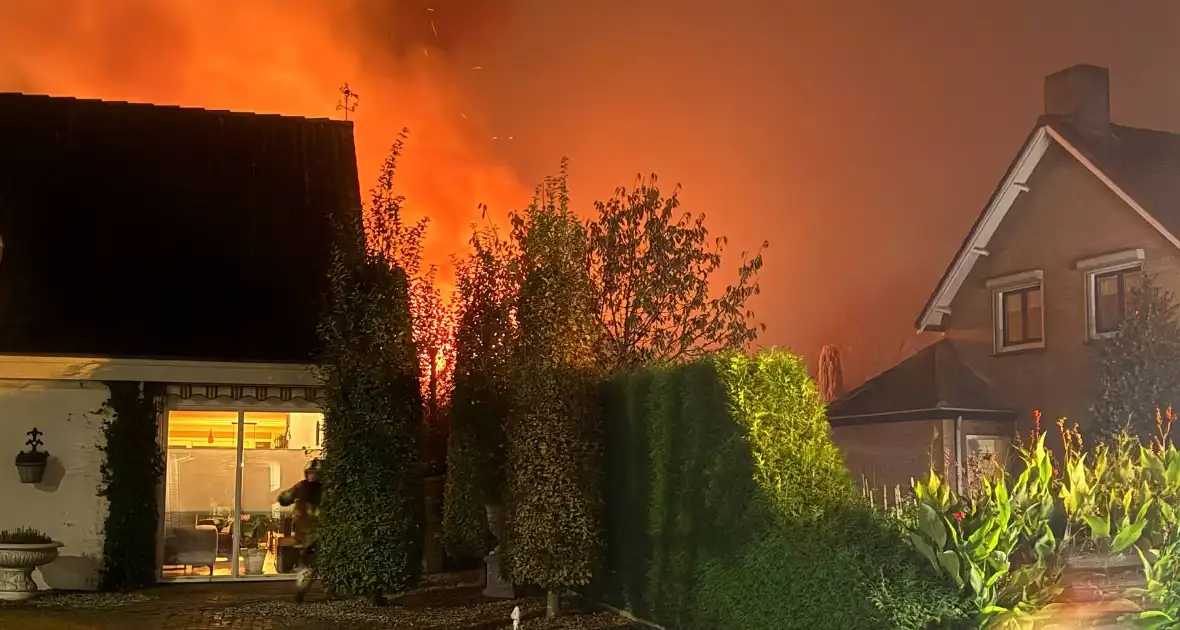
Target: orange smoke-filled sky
[(860, 137)]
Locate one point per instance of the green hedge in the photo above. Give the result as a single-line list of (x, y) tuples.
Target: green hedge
[(728, 506), (132, 469), (371, 521)]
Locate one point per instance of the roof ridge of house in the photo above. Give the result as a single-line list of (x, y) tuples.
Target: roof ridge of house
[(167, 106)]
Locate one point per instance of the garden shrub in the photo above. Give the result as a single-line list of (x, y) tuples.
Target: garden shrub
[(482, 394), (132, 469), (371, 524), (553, 508), (728, 506), (849, 569)]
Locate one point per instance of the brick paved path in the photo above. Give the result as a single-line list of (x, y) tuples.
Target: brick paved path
[(454, 604)]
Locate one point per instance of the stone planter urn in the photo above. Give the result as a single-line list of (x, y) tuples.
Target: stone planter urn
[(17, 562), (496, 585)]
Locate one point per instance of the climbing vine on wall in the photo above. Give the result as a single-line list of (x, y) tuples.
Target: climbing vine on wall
[(132, 468)]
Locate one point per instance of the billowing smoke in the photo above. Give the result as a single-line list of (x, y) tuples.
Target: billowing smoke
[(403, 57)]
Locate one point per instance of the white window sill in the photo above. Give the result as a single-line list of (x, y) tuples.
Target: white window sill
[(1035, 345)]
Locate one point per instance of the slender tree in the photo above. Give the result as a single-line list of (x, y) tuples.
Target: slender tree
[(553, 441), (652, 268), (371, 533), (401, 242), (1140, 366), (485, 301)]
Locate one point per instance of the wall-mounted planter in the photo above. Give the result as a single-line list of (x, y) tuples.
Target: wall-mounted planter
[(30, 464), (31, 472)]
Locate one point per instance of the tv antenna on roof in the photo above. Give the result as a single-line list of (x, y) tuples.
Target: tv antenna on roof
[(350, 101)]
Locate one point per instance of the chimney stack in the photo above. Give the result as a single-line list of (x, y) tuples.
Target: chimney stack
[(1081, 95)]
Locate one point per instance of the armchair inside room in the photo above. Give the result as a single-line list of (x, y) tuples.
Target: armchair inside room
[(191, 548)]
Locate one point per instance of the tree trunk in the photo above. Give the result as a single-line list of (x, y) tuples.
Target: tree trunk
[(552, 604)]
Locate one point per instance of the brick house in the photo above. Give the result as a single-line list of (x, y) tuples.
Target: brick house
[(1084, 210)]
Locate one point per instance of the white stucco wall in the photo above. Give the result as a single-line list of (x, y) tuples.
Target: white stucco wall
[(65, 505)]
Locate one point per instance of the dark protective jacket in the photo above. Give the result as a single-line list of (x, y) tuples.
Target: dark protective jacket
[(305, 496)]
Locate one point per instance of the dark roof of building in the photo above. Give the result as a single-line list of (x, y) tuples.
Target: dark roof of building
[(1144, 163), (931, 384), (133, 230)]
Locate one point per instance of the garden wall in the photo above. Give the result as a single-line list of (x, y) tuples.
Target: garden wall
[(728, 506), (65, 504)]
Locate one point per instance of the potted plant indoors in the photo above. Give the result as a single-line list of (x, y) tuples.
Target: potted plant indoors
[(21, 551), (254, 541), (31, 464)]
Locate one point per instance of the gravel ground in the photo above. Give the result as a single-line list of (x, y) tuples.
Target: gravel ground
[(443, 602)]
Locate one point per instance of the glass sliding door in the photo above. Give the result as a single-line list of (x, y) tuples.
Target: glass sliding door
[(275, 450), (200, 493), (225, 470)]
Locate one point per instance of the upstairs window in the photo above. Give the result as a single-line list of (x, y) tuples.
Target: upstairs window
[(1111, 295), (1023, 323), (1109, 280), (1019, 311)]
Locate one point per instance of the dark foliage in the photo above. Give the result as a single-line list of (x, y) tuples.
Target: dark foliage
[(371, 524), (553, 442), (132, 468), (481, 397), (1140, 366), (728, 506)]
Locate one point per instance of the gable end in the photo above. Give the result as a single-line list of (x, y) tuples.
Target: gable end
[(1015, 182)]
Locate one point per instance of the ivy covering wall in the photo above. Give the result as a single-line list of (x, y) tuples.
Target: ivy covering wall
[(132, 471)]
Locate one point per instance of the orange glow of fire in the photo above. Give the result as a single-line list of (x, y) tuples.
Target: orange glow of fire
[(274, 56)]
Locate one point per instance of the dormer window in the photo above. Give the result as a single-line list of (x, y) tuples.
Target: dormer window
[(1019, 313), (1109, 279)]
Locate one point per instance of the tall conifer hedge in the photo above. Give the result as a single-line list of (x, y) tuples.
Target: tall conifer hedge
[(371, 524), (553, 440), (728, 506)]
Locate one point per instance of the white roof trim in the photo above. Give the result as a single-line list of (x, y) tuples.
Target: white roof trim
[(1015, 183), (55, 368)]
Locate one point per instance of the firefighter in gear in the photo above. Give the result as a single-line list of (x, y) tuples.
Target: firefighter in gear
[(305, 496)]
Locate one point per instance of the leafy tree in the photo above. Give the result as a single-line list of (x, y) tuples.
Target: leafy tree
[(401, 243), (652, 270), (1140, 366), (553, 443), (371, 533), (485, 296)]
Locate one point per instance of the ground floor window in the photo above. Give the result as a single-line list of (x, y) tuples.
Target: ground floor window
[(225, 470), (987, 457)]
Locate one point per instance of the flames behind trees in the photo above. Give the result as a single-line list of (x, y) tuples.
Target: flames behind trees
[(433, 318), (288, 57)]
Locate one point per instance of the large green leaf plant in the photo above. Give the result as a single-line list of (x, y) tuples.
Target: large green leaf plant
[(1007, 541)]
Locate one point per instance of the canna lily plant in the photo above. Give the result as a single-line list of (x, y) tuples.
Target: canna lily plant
[(1007, 541), (996, 544)]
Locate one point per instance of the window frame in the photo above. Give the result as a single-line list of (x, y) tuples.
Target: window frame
[(1016, 283), (1092, 278), (1003, 455)]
